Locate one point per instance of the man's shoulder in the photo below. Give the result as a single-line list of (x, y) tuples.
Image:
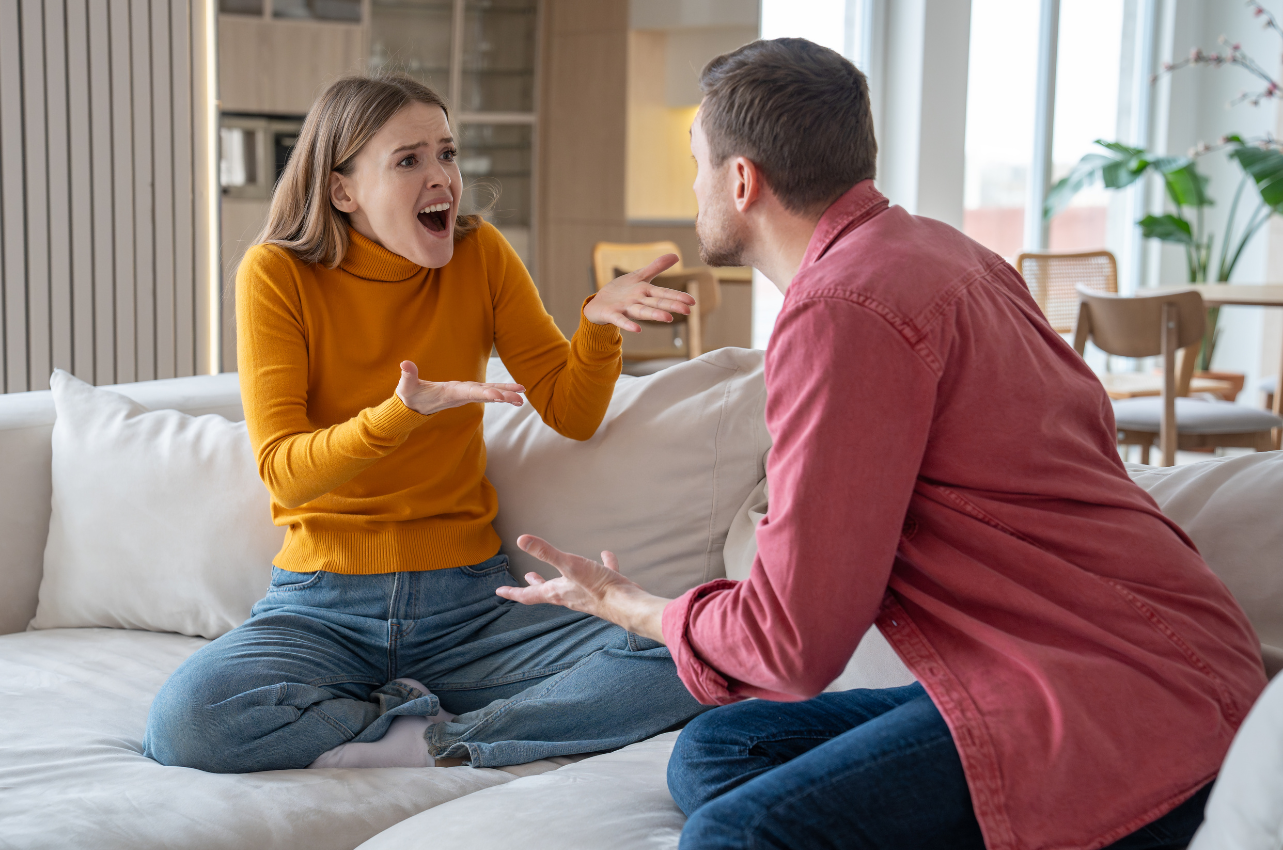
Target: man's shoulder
[(908, 268)]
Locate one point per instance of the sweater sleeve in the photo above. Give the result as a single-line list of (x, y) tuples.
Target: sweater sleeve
[(849, 406), (569, 383), (297, 461)]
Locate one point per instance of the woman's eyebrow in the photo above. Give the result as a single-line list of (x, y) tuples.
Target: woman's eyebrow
[(409, 147), (445, 140)]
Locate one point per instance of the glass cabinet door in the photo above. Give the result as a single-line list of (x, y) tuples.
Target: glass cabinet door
[(495, 160), (413, 36), (498, 56), (481, 56)]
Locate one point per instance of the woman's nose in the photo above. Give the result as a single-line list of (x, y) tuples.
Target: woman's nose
[(438, 176)]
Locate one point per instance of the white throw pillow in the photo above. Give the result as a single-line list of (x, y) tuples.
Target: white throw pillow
[(159, 522), (658, 484), (1232, 508), (1245, 811)]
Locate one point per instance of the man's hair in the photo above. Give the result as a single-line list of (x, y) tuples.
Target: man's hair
[(799, 111)]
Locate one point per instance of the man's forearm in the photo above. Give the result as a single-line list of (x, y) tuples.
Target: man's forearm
[(636, 610)]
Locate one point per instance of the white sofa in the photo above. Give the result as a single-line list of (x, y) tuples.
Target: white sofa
[(74, 695)]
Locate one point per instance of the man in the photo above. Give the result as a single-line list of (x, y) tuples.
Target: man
[(944, 466)]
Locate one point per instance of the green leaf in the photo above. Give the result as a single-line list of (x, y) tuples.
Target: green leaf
[(1186, 186), (1121, 149), (1265, 167), (1121, 167), (1169, 228)]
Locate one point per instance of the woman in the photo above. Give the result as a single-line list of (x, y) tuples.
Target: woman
[(381, 641)]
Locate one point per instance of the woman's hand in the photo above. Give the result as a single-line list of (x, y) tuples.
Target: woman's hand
[(428, 397), (632, 296), (590, 587)]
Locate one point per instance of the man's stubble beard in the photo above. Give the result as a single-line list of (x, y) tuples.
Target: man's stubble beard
[(720, 244)]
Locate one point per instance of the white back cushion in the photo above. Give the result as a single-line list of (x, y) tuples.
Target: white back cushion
[(159, 519), (1232, 508), (658, 484), (26, 429), (1245, 811)]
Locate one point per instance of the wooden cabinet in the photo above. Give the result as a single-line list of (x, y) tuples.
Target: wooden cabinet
[(278, 67)]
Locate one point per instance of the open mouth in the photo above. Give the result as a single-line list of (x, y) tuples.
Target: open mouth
[(435, 217)]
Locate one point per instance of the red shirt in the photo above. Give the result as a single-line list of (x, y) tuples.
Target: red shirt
[(944, 465)]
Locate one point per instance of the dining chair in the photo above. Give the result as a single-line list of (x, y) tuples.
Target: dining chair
[(1053, 278), (1169, 325), (611, 259)]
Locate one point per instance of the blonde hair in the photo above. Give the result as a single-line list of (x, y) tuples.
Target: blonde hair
[(339, 124)]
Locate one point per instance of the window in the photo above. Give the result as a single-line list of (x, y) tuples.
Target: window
[(833, 23), (1002, 147), (1087, 80), (1001, 73)]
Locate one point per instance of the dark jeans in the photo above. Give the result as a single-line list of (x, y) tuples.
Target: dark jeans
[(858, 769)]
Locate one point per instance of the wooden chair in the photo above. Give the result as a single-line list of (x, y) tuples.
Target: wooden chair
[(1053, 278), (1171, 326), (611, 259)]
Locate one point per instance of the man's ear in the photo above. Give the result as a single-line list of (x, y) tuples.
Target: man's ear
[(746, 182), (338, 194)]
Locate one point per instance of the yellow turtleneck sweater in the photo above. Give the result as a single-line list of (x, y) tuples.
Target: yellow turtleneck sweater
[(363, 483)]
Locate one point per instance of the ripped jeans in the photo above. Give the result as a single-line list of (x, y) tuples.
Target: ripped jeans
[(313, 667)]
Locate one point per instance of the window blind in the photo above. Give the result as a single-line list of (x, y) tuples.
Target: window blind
[(104, 196)]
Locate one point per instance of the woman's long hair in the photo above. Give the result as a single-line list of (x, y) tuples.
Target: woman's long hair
[(339, 124)]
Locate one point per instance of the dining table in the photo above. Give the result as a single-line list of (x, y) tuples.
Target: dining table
[(1243, 295)]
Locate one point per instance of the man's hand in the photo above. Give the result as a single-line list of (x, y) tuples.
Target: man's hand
[(633, 296), (428, 397), (590, 587)]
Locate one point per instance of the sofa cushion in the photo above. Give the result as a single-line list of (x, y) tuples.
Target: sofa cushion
[(159, 519), (619, 800), (75, 702), (1245, 811), (26, 426), (1231, 507), (1193, 416), (658, 484)]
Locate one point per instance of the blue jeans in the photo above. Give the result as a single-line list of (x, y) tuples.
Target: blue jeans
[(857, 769), (313, 666)]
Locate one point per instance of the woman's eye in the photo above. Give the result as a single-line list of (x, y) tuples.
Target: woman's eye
[(449, 155), (407, 162)]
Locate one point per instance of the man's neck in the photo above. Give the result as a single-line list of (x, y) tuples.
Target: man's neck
[(781, 241)]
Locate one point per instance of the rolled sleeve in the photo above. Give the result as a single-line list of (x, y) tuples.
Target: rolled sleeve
[(705, 684)]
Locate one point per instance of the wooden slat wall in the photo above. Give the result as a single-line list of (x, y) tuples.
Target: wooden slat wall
[(103, 213)]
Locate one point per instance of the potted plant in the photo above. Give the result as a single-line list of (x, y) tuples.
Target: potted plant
[(1117, 166)]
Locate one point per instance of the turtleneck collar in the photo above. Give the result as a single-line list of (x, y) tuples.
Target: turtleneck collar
[(371, 261)]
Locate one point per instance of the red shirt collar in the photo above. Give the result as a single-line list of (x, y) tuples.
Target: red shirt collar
[(856, 206)]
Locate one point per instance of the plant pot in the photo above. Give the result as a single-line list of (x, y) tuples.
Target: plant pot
[(1234, 379)]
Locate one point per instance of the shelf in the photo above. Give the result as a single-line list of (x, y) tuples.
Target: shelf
[(483, 147), (513, 174), (445, 8), (511, 72)]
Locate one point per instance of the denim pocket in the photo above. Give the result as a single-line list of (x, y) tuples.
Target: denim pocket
[(285, 580), (497, 564), (637, 643)]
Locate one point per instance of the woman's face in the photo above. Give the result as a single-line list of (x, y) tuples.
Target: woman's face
[(403, 192)]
